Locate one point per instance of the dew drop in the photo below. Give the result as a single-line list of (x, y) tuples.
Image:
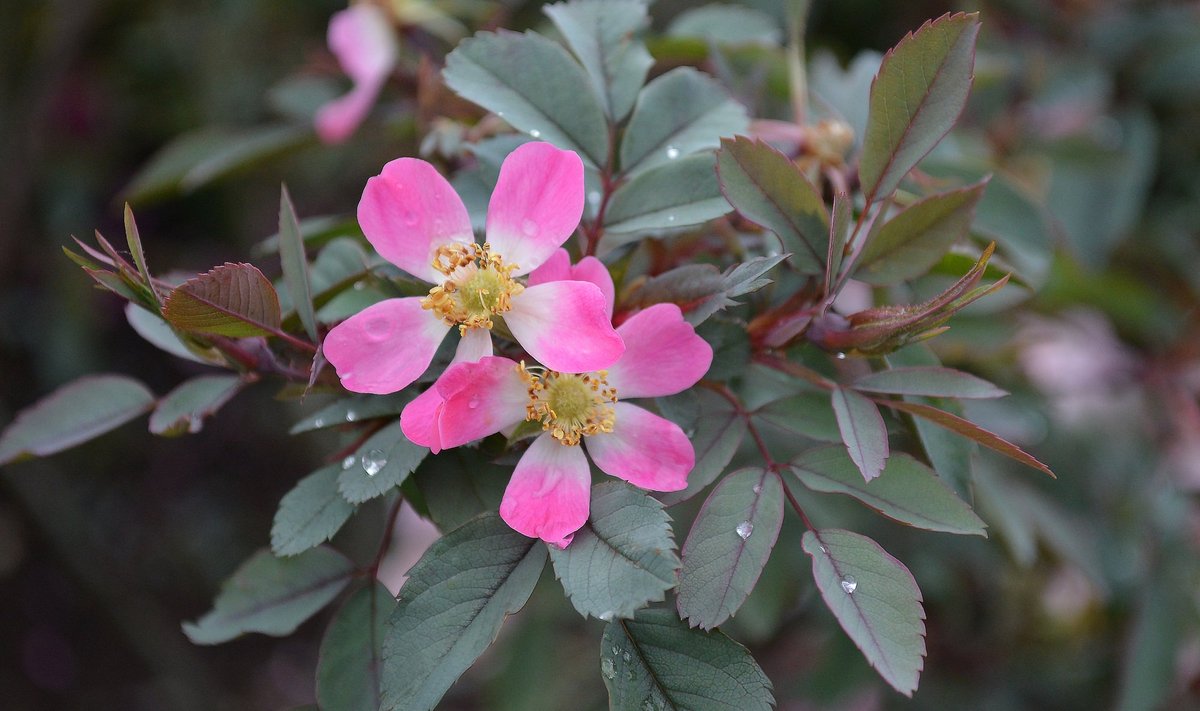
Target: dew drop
[(535, 133), (473, 403), (670, 218), (593, 198), (319, 422), (351, 415), (349, 461), (410, 217), (378, 329), (529, 228), (607, 615), (839, 355), (672, 152), (626, 656), (758, 488), (374, 461), (607, 668), (360, 285), (849, 584), (500, 114), (824, 549), (744, 529)]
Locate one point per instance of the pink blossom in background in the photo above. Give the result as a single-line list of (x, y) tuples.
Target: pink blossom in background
[(362, 39), (414, 219), (549, 493)]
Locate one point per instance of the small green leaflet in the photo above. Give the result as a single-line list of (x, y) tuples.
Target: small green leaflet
[(729, 545), (863, 431), (75, 413), (928, 381), (452, 606), (655, 661), (622, 558), (716, 430), (310, 513), (272, 595), (876, 601), (184, 408), (295, 264), (679, 193), (907, 491)]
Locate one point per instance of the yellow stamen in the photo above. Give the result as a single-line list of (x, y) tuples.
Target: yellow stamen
[(569, 406), (478, 286)]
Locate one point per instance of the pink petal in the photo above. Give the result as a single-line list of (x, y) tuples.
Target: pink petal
[(384, 347), (338, 119), (408, 211), (663, 355), (564, 325), (558, 268), (549, 494), (362, 39), (644, 450), (419, 420), (481, 399), (536, 205)]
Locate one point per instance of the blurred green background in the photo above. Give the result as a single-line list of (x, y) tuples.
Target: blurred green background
[(1084, 597)]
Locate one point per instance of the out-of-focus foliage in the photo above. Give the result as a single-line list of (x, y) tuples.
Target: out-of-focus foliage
[(1083, 595)]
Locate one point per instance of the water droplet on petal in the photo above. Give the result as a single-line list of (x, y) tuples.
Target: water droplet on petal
[(410, 217), (535, 133), (607, 668), (351, 415), (849, 584), (529, 228), (374, 461), (744, 529), (349, 461), (672, 152), (606, 615), (473, 403), (378, 329)]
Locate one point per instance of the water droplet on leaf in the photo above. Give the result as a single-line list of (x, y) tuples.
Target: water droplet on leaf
[(535, 133), (758, 488), (626, 656), (672, 152), (593, 198), (349, 461), (607, 668), (849, 584), (670, 218), (744, 529), (319, 422), (351, 416), (374, 461), (840, 356), (606, 615)]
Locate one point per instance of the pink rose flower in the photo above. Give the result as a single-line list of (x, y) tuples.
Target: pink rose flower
[(549, 494), (362, 39), (414, 219)]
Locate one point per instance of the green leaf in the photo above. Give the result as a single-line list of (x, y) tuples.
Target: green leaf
[(230, 300), (657, 662), (928, 381), (729, 545), (535, 85), (159, 333), (678, 114), (970, 430), (767, 188), (139, 255), (351, 656), (839, 236), (916, 98), (295, 264), (807, 414), (863, 431), (452, 606), (726, 24), (272, 595), (730, 346), (310, 513), (383, 462), (356, 408), (75, 413), (603, 34), (912, 242), (876, 601), (458, 484), (184, 408), (716, 429), (700, 290), (194, 159), (622, 558), (907, 491), (680, 193)]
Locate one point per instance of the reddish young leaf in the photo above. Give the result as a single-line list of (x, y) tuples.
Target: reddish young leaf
[(230, 300)]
